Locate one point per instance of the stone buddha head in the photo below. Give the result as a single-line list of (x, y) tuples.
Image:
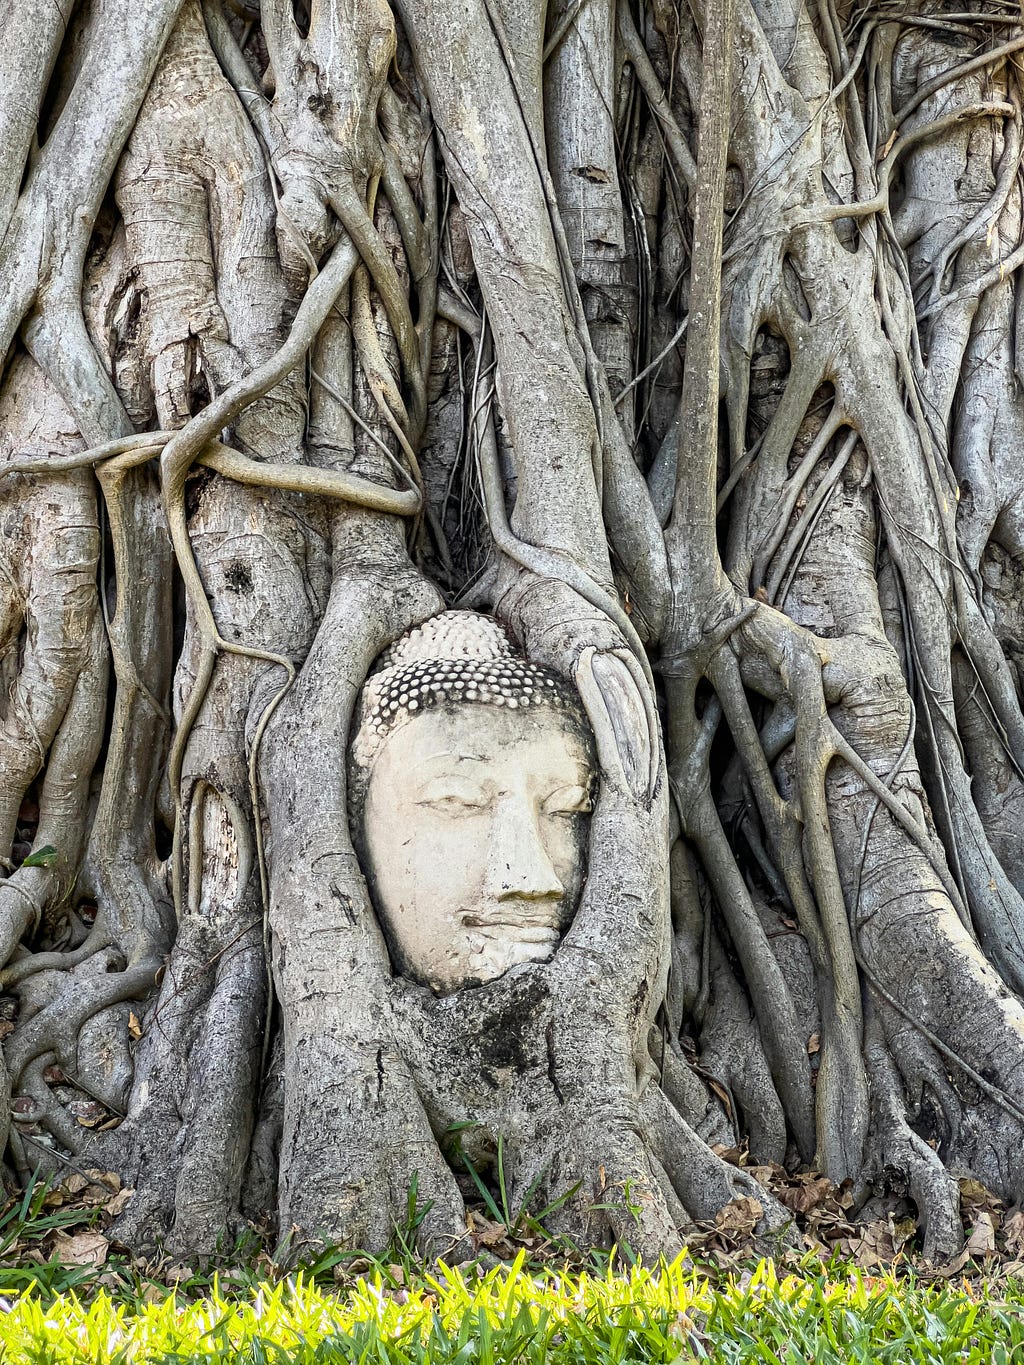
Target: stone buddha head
[(470, 783)]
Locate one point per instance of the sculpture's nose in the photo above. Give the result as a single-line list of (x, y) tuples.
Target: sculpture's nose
[(518, 864)]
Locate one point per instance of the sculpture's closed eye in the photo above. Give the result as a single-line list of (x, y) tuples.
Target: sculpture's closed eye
[(568, 801), (455, 805), (451, 795)]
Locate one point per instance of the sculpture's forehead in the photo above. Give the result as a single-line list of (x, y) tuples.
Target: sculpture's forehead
[(469, 736)]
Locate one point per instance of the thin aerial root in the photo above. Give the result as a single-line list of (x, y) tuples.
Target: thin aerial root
[(133, 451), (371, 354), (787, 562), (541, 561), (955, 74), (682, 157), (832, 213), (351, 210), (784, 1047), (778, 518), (906, 821)]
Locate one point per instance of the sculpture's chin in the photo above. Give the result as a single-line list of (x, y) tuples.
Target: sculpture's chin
[(506, 946)]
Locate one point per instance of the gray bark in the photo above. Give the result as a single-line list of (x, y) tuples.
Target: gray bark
[(682, 340)]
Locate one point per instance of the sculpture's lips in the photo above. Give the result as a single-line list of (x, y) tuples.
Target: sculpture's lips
[(511, 933), (541, 921)]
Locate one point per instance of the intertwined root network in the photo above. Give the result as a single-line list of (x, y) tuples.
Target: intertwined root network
[(683, 340)]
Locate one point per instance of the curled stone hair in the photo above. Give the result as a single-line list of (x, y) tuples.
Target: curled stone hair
[(458, 657)]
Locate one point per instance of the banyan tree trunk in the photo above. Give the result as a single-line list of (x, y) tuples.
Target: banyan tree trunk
[(684, 339)]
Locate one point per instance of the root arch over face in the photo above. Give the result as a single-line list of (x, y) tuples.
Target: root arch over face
[(316, 330)]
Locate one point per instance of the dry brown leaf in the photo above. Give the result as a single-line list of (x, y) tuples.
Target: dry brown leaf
[(119, 1203), (740, 1216), (813, 1044), (347, 1270), (722, 1094), (873, 1246), (1013, 1231), (953, 1267), (974, 1194), (844, 1195), (109, 1181), (982, 1241), (808, 1195), (84, 1248), (487, 1232), (768, 1174), (134, 1025), (734, 1156)]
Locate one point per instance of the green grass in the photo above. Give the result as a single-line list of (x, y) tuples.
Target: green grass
[(510, 1315)]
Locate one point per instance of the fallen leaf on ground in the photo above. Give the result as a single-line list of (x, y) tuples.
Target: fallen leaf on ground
[(982, 1241), (84, 1248), (801, 1198), (1013, 1231), (487, 1232), (740, 1216), (973, 1194), (119, 1203), (874, 1246)]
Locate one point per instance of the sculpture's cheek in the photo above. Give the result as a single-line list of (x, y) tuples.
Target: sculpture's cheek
[(423, 879), (566, 841)]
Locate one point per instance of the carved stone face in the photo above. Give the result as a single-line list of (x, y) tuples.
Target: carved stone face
[(475, 828)]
